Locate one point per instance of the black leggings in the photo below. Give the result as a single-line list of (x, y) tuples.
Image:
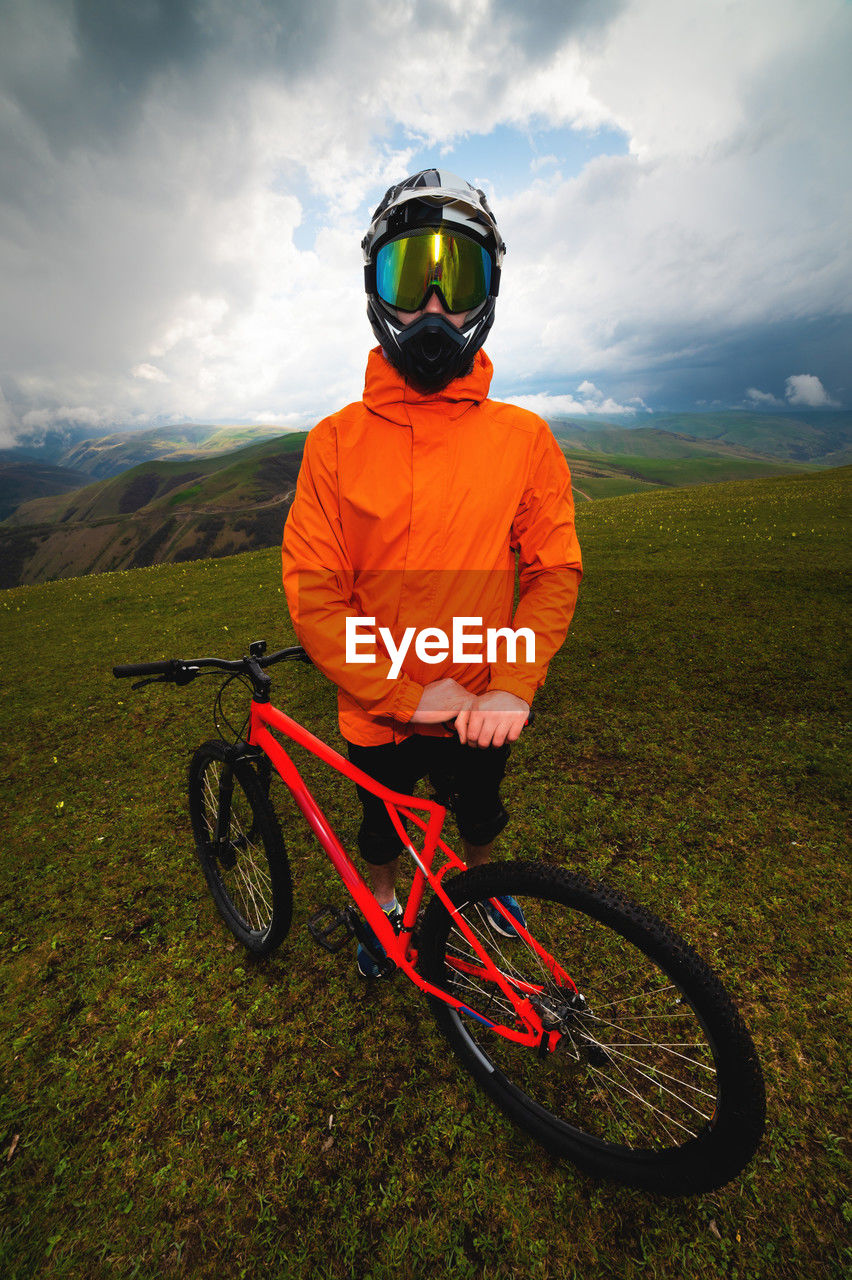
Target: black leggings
[(466, 779)]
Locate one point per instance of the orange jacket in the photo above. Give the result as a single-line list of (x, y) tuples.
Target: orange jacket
[(409, 509)]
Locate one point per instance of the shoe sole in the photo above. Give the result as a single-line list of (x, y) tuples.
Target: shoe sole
[(372, 977), (501, 929), (378, 974)]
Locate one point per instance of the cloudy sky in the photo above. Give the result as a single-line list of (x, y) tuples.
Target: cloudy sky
[(184, 185)]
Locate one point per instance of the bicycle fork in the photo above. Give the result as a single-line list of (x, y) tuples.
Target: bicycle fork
[(223, 845)]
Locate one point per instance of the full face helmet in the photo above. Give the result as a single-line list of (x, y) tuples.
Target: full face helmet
[(432, 233)]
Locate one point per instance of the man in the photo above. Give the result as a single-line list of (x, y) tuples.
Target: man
[(411, 507)]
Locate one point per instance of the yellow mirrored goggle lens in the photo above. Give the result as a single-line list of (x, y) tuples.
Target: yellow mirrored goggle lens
[(459, 268)]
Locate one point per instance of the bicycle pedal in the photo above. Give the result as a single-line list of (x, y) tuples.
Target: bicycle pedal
[(325, 928)]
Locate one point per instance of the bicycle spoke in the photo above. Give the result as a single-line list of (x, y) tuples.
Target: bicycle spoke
[(490, 996), (640, 995), (660, 1116), (253, 897), (637, 1066), (240, 847), (633, 1064), (253, 889), (251, 886), (627, 1094), (640, 1042), (490, 992)]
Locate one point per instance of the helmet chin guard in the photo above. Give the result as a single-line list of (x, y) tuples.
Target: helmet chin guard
[(431, 351)]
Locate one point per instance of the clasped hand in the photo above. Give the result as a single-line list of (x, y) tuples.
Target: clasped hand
[(485, 721)]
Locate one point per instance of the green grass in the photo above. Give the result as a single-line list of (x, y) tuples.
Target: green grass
[(608, 486), (172, 1099)]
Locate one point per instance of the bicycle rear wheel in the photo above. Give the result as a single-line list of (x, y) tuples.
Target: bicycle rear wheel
[(655, 1082), (245, 863)]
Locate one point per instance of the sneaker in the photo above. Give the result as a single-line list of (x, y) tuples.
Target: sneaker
[(498, 921), (367, 966)]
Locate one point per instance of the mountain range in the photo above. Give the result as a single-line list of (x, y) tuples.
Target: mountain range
[(115, 500), (157, 511)]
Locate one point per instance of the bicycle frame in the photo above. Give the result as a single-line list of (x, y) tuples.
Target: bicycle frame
[(265, 718)]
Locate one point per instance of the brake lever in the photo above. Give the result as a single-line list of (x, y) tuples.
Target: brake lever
[(140, 684), (185, 675)]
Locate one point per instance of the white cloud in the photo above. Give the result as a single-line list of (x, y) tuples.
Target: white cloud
[(157, 194), (762, 397), (149, 372), (710, 226), (36, 420), (8, 424), (554, 406), (680, 78), (806, 389)]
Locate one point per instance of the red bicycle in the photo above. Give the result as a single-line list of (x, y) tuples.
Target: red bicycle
[(594, 1027)]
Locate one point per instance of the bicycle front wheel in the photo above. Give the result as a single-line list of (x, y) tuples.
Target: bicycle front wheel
[(654, 1081), (240, 847)]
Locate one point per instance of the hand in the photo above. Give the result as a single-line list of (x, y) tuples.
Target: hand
[(493, 719), (441, 700)]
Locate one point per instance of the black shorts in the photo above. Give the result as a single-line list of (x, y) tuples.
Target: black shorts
[(466, 779)]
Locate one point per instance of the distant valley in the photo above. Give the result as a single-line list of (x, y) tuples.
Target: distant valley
[(193, 492), (22, 479)]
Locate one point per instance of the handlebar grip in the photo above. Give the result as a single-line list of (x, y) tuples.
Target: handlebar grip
[(145, 668)]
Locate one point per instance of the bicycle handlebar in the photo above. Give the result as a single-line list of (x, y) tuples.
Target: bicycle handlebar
[(182, 670)]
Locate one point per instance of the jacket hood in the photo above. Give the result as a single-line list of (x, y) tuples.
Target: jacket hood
[(388, 394)]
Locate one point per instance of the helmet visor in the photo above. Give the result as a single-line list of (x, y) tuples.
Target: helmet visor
[(408, 268)]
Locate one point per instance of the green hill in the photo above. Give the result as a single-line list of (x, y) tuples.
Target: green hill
[(606, 460), (230, 479), (173, 1108), (109, 455), (156, 512), (823, 436), (610, 474), (648, 442)]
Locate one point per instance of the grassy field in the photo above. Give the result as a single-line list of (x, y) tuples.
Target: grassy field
[(171, 1108)]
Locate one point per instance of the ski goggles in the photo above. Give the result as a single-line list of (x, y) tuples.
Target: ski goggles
[(459, 269)]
